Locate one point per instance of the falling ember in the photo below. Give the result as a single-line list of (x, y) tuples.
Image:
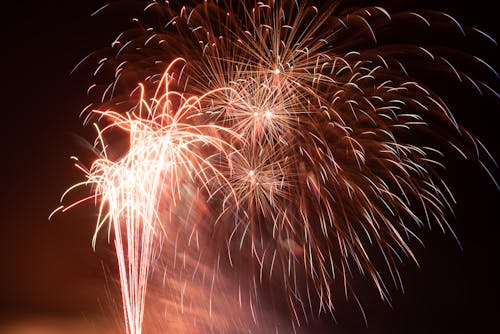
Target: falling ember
[(313, 154)]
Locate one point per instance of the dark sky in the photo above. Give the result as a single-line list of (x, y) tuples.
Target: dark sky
[(49, 268)]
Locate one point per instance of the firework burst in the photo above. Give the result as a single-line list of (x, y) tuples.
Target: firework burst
[(140, 190), (315, 147)]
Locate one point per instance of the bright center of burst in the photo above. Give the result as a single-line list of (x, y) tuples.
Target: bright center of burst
[(251, 173), (277, 71), (267, 114)]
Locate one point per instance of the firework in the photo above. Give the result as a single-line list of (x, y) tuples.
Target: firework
[(164, 153), (300, 130)]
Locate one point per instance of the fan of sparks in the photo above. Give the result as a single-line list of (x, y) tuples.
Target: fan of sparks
[(285, 148)]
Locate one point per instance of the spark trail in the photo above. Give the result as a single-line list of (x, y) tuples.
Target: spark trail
[(165, 151), (305, 130)]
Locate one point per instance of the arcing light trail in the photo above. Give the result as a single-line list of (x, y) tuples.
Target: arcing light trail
[(313, 148), (165, 151)]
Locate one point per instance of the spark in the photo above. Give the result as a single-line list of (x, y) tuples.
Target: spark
[(318, 154), (164, 152)]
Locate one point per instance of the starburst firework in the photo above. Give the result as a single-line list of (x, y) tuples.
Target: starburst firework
[(310, 142)]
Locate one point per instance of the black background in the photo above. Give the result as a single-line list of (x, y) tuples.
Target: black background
[(49, 268)]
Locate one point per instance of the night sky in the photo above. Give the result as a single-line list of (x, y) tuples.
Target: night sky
[(48, 270)]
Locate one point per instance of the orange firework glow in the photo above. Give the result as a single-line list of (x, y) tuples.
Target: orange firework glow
[(165, 152), (290, 152)]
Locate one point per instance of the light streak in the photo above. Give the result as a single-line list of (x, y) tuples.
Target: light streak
[(166, 149), (319, 154)]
